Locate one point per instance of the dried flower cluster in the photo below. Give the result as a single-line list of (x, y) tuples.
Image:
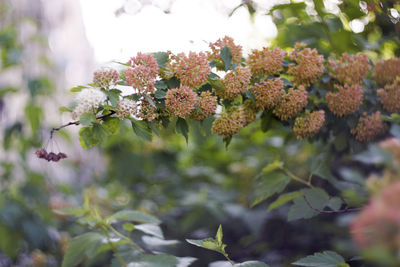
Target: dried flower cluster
[(350, 69), (181, 101), (192, 70), (236, 50), (268, 93), (105, 77), (309, 65), (378, 224), (235, 83), (291, 104), (43, 154), (88, 101), (391, 96), (369, 127), (309, 124), (386, 71), (346, 100)]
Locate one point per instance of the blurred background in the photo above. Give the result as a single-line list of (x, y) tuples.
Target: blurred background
[(47, 47)]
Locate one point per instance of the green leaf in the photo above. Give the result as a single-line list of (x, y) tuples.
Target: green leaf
[(251, 264), (99, 132), (33, 114), (219, 235), (323, 259), (183, 128), (133, 215), (335, 203), (157, 260), (226, 56), (86, 119), (162, 59), (128, 227), (111, 124), (273, 166), (250, 95), (86, 137), (160, 85), (74, 211), (77, 88), (283, 199), (267, 186), (317, 198), (160, 94), (113, 96), (151, 102), (141, 129), (150, 229), (81, 246), (64, 109)]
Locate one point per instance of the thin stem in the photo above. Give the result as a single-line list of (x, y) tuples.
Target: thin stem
[(113, 248), (112, 112), (296, 178), (127, 239), (346, 209), (227, 257)]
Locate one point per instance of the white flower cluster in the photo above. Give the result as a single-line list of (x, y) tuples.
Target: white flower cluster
[(88, 101), (126, 107)]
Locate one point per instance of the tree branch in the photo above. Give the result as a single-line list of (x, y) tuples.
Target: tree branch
[(346, 209)]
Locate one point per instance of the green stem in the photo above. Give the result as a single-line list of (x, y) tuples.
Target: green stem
[(296, 178), (227, 257), (113, 248), (127, 239)]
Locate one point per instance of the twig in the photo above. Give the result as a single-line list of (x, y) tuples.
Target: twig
[(296, 178), (112, 112), (346, 209)]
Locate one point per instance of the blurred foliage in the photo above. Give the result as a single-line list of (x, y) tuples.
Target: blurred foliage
[(194, 187)]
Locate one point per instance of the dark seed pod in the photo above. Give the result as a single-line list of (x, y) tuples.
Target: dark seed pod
[(62, 155), (41, 153)]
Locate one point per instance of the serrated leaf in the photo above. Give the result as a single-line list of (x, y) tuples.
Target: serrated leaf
[(99, 132), (283, 199), (157, 260), (113, 96), (323, 259), (183, 128), (111, 124), (86, 119), (86, 138), (226, 56), (267, 186), (141, 129), (133, 215), (81, 246), (317, 199), (160, 85), (208, 243), (150, 229), (77, 88)]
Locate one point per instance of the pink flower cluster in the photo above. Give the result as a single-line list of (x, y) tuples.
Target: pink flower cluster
[(227, 41), (378, 224), (309, 65), (207, 103), (181, 101), (309, 124), (192, 70), (268, 93), (346, 101), (266, 61), (229, 123), (391, 96), (291, 104), (369, 127), (250, 111), (143, 73), (386, 71), (350, 69), (235, 82), (105, 77), (147, 111)]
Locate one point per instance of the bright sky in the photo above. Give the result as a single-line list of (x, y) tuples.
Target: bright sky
[(190, 26)]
